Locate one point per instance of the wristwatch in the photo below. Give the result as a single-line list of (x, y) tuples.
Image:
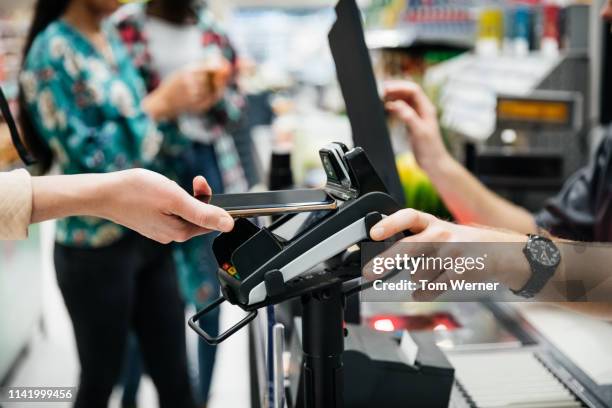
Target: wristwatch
[(544, 257)]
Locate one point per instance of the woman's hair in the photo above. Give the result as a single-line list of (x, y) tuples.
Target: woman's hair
[(176, 11), (45, 12)]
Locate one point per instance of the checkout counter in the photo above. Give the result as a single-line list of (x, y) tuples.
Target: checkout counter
[(503, 355), (512, 354)]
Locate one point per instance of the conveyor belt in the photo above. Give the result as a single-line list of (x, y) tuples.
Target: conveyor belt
[(510, 378)]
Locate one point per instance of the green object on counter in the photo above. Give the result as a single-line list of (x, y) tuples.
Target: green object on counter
[(419, 192)]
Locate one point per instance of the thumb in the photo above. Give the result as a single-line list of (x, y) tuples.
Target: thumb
[(201, 187), (407, 219), (204, 215)]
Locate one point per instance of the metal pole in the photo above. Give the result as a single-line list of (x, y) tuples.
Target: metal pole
[(323, 343)]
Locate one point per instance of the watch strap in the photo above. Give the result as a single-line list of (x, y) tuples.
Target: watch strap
[(540, 274)]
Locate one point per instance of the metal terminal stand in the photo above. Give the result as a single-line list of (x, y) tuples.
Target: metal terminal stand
[(323, 344)]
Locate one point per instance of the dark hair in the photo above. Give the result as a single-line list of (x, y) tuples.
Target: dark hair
[(175, 11), (45, 12)]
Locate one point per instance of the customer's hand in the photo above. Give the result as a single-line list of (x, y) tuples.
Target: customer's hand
[(158, 208), (407, 101)]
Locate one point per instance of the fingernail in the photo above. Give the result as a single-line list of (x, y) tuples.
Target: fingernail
[(377, 232), (226, 224)]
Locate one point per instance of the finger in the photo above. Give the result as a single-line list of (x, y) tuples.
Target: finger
[(188, 231), (421, 245), (201, 186), (406, 114), (199, 94), (176, 229), (428, 295), (405, 90), (207, 102), (218, 95), (411, 93), (199, 90), (435, 249), (196, 80), (199, 71), (403, 220), (193, 96), (171, 229), (426, 274), (203, 215), (400, 250)]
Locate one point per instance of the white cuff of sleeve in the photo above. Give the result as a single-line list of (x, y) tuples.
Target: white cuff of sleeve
[(15, 204)]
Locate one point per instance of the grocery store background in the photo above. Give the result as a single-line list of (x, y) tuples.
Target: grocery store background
[(472, 57)]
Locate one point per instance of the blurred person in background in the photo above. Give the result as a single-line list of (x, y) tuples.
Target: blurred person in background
[(85, 108), (151, 32)]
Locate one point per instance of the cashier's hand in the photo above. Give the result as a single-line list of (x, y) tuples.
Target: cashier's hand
[(437, 238), (408, 103), (158, 208)]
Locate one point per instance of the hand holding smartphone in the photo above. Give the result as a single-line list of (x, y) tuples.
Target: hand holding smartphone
[(272, 202)]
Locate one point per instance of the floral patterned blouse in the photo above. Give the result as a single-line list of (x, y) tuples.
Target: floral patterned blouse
[(86, 105)]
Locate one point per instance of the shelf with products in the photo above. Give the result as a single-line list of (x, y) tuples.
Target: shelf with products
[(13, 31), (276, 3), (514, 26), (405, 37), (404, 23), (408, 37), (483, 39)]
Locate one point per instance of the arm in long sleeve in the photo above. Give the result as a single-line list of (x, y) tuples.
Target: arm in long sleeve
[(15, 204)]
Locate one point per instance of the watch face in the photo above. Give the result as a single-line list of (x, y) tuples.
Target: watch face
[(544, 252)]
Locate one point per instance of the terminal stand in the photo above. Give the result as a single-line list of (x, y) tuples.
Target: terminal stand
[(323, 344), (260, 267)]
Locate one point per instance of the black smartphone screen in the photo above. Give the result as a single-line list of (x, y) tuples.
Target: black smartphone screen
[(272, 200)]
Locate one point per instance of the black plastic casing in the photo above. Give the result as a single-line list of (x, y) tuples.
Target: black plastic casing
[(264, 252)]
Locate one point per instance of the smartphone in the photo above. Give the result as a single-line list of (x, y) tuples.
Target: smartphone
[(272, 202)]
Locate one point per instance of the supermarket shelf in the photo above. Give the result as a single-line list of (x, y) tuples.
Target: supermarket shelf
[(280, 3), (407, 37)]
